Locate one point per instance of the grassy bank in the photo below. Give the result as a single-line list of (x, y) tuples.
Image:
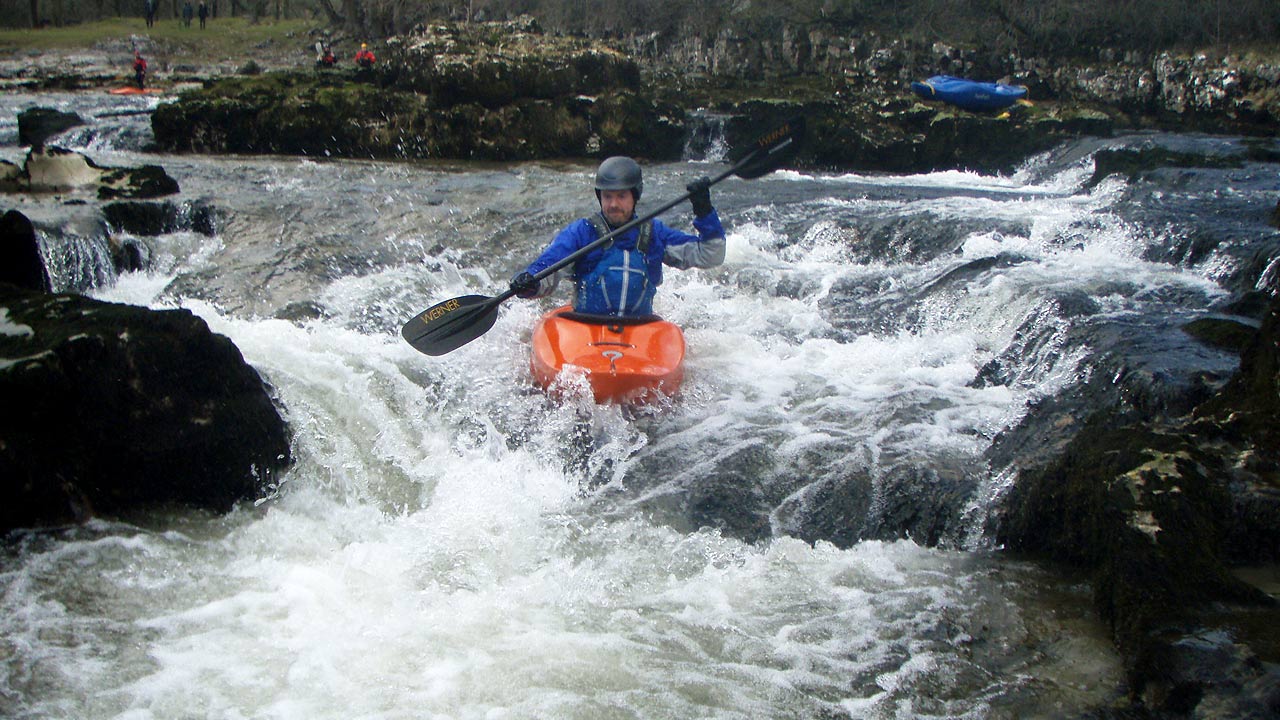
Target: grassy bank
[(223, 39)]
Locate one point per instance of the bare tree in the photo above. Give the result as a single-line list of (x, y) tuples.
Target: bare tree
[(334, 16)]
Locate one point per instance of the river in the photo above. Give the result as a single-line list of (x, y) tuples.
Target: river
[(451, 544)]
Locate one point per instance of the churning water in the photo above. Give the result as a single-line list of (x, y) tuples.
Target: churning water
[(450, 544)]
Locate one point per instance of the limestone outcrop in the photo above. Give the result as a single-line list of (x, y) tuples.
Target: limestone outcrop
[(484, 92), (505, 91), (50, 169)]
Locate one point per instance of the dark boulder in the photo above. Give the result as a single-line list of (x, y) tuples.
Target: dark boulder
[(1248, 408), (1222, 332), (112, 408), (144, 181), (1161, 507), (20, 261), (36, 125), (141, 217)]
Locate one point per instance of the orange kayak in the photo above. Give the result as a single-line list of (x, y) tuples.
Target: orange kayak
[(626, 360), (130, 90)]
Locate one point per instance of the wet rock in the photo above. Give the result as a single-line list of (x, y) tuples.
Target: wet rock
[(731, 496), (1133, 163), (144, 181), (1249, 405), (301, 311), (128, 255), (141, 217), (1222, 332), (20, 261), (753, 493), (1160, 506), (110, 408), (12, 178), (36, 125), (922, 504), (52, 169)]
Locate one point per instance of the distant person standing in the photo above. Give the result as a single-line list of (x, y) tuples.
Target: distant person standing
[(187, 13), (202, 13), (149, 7), (364, 57), (139, 69), (324, 56)]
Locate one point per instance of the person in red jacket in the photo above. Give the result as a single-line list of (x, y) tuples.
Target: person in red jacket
[(139, 69), (365, 58), (324, 56)]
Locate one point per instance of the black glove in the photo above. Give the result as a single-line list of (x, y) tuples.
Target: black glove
[(700, 196), (525, 285)]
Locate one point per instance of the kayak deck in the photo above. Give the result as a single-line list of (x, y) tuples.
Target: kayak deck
[(626, 360), (135, 91)]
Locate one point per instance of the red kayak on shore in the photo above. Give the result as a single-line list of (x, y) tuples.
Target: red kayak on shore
[(626, 360)]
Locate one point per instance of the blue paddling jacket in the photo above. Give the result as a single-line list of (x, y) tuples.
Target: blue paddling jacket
[(622, 277)]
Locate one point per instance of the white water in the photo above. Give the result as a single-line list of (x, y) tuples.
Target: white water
[(416, 565), (438, 552)]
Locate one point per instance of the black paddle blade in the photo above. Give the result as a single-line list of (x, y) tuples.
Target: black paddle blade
[(773, 149), (449, 325)]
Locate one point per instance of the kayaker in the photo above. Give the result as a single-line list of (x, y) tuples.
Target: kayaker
[(622, 278), (365, 58), (139, 69)]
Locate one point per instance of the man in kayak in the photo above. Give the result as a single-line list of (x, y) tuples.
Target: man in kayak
[(621, 278), (364, 57), (139, 69)]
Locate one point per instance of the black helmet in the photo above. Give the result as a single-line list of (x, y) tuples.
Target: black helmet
[(619, 173)]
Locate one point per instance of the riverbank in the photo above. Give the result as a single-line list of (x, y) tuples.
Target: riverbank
[(98, 55), (508, 91)]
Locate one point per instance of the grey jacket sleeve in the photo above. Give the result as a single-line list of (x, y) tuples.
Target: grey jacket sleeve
[(703, 254), (548, 285)]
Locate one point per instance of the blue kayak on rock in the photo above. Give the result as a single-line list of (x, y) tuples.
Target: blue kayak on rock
[(969, 94)]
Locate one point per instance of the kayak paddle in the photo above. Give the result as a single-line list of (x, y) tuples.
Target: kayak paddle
[(449, 325)]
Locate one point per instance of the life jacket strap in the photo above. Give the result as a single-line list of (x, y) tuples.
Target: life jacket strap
[(602, 229)]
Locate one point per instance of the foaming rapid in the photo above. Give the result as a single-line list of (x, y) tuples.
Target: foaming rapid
[(420, 562), (450, 543)]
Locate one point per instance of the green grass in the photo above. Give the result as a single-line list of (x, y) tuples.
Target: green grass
[(222, 39)]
